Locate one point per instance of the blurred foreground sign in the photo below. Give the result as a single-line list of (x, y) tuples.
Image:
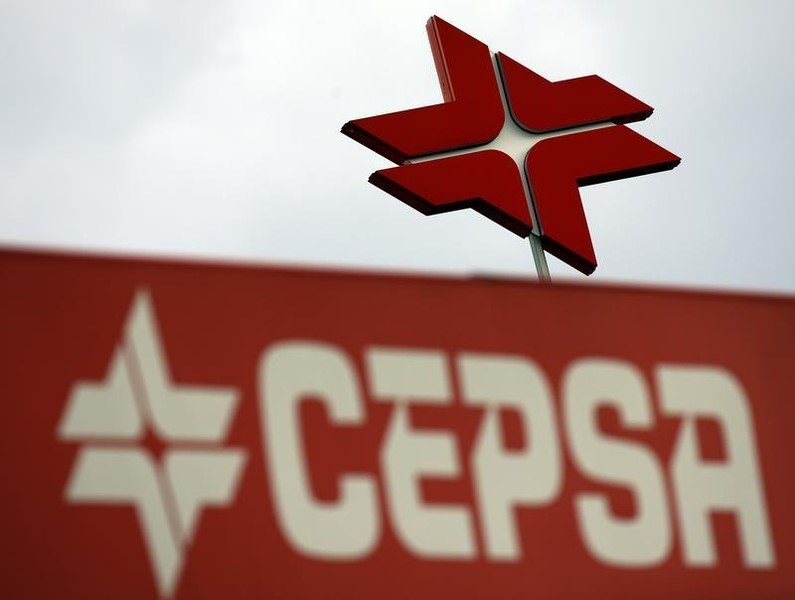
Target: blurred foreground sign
[(203, 431)]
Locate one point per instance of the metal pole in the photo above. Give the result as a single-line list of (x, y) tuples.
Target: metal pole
[(540, 259)]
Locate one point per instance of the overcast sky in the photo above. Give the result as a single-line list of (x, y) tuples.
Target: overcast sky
[(211, 129)]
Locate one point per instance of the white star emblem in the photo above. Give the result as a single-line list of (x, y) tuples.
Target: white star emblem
[(138, 391)]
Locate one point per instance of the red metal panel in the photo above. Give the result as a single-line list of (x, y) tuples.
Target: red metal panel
[(487, 181), (539, 105), (558, 166), (471, 113)]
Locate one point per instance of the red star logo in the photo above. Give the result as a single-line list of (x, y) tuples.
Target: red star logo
[(453, 155)]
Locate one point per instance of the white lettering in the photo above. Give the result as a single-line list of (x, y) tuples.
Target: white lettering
[(704, 486), (642, 540), (416, 377), (289, 371), (503, 479)]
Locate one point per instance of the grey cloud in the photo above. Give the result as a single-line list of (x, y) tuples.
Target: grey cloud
[(212, 128), (93, 69)]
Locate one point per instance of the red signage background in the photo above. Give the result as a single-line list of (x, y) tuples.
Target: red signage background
[(62, 317)]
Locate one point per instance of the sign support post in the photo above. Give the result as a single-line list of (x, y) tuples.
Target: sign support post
[(539, 258)]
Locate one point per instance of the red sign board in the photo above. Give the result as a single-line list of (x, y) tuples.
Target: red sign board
[(481, 147), (202, 431)]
